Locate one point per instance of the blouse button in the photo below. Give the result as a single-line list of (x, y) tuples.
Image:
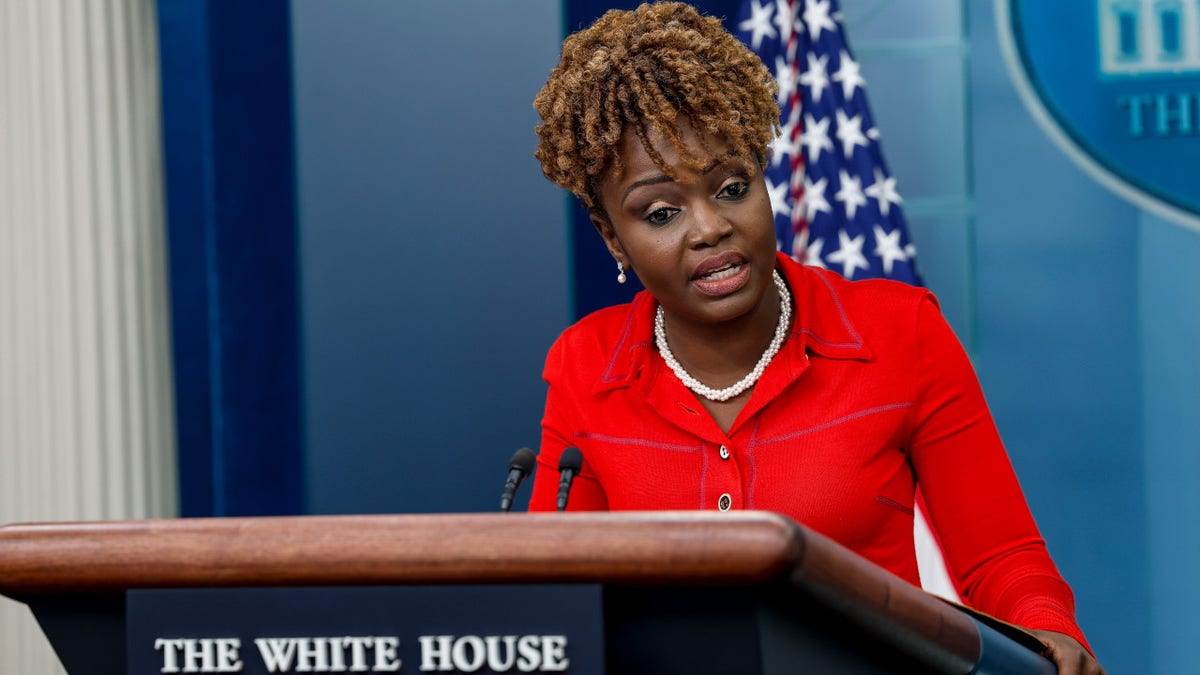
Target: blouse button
[(725, 502), (724, 452)]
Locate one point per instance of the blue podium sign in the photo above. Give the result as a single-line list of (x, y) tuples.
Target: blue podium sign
[(404, 629)]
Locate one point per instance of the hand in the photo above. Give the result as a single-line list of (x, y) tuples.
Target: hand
[(1068, 654)]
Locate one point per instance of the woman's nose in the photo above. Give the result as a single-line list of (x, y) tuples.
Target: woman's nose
[(708, 227)]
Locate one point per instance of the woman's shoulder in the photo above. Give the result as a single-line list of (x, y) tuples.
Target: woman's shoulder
[(605, 336), (601, 327)]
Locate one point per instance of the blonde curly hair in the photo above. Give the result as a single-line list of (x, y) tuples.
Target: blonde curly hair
[(650, 69)]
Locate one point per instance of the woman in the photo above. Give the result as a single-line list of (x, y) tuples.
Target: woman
[(740, 379)]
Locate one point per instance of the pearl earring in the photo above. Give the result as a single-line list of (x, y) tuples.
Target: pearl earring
[(620, 273)]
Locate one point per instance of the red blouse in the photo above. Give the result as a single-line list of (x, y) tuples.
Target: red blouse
[(870, 395)]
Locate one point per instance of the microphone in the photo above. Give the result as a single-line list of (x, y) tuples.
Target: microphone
[(568, 467), (518, 468)]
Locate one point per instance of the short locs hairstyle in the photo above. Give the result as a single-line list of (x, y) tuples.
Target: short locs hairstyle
[(651, 69)]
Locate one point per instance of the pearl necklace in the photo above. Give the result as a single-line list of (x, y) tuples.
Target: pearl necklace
[(785, 319)]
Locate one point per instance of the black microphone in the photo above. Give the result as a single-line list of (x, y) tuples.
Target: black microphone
[(568, 466), (518, 469)]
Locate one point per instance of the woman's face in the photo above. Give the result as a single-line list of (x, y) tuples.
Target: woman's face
[(702, 243)]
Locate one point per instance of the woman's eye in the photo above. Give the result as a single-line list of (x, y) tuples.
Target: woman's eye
[(661, 216), (736, 190)]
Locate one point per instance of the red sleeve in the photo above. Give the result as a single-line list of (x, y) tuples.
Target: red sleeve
[(559, 424), (992, 545)]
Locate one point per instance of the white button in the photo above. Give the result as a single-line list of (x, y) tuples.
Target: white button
[(724, 452), (725, 502)]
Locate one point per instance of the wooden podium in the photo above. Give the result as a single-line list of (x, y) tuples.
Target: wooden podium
[(694, 592)]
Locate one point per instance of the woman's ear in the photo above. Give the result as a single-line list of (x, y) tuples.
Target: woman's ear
[(609, 235)]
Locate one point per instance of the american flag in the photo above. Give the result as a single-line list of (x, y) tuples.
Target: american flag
[(836, 205)]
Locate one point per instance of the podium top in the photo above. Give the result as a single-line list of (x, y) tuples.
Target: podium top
[(654, 548), (646, 548)]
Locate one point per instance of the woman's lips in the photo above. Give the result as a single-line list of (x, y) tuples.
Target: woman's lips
[(721, 275)]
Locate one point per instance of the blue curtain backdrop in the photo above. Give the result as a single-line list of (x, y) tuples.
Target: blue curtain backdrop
[(231, 224)]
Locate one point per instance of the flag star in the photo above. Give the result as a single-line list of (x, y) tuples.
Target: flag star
[(849, 255), (815, 137), (887, 247), (910, 250), (785, 77), (850, 194), (816, 77), (814, 198), (883, 191), (780, 146), (816, 17), (778, 194), (812, 255), (785, 19), (786, 143), (849, 132), (759, 23), (847, 73)]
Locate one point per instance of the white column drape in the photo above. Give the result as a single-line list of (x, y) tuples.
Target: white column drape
[(86, 402)]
